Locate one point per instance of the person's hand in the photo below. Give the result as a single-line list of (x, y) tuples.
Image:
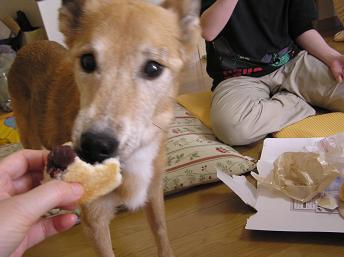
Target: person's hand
[(337, 67), (315, 44), (22, 206)]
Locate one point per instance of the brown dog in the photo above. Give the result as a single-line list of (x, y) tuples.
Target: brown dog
[(112, 92)]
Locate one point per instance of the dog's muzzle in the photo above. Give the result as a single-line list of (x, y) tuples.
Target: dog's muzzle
[(97, 146)]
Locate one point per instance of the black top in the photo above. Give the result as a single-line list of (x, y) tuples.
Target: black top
[(258, 38)]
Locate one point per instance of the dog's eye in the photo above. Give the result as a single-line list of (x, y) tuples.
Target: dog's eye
[(152, 69), (88, 63)]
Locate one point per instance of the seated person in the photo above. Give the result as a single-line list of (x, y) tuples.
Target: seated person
[(269, 66)]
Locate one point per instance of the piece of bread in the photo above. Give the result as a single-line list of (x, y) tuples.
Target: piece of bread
[(98, 179)]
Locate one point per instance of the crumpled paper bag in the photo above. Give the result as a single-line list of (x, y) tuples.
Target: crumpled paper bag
[(300, 175), (331, 150)]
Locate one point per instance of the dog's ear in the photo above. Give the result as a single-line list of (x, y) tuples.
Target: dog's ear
[(188, 12), (69, 17)]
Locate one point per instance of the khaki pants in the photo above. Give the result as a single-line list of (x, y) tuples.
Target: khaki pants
[(246, 109)]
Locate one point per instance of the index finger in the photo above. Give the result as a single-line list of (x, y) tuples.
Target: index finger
[(52, 194), (24, 161)]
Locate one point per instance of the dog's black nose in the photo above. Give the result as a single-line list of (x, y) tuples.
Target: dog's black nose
[(96, 147)]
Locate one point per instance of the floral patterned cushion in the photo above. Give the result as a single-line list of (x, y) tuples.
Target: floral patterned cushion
[(8, 149), (194, 154)]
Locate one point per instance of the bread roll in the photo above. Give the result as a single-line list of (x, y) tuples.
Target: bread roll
[(98, 179)]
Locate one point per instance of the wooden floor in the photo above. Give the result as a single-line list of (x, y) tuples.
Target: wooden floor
[(207, 221)]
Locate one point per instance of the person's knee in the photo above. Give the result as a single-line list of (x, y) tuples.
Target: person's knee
[(235, 134)]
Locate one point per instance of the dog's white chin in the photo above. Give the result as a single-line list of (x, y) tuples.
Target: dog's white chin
[(139, 166)]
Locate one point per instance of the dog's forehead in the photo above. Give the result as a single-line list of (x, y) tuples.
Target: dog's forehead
[(119, 29), (137, 19)]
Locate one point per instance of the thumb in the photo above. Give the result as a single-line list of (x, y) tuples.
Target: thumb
[(43, 198), (337, 71), (340, 76)]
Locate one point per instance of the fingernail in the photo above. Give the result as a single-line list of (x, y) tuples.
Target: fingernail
[(78, 221), (77, 189)]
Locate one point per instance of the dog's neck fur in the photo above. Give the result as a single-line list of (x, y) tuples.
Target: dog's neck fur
[(140, 177)]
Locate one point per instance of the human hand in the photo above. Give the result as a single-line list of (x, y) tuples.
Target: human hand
[(337, 67), (22, 206)]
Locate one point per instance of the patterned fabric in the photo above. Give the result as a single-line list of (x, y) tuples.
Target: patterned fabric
[(8, 132), (193, 154), (8, 149)]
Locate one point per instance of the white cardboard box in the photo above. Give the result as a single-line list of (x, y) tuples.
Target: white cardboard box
[(276, 212)]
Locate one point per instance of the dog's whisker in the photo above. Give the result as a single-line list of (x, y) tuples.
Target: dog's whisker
[(159, 127)]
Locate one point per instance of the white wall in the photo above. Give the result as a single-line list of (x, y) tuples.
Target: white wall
[(49, 12), (10, 7), (42, 14)]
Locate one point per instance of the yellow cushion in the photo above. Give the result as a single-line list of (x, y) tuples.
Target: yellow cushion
[(315, 126), (253, 150), (198, 104)]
